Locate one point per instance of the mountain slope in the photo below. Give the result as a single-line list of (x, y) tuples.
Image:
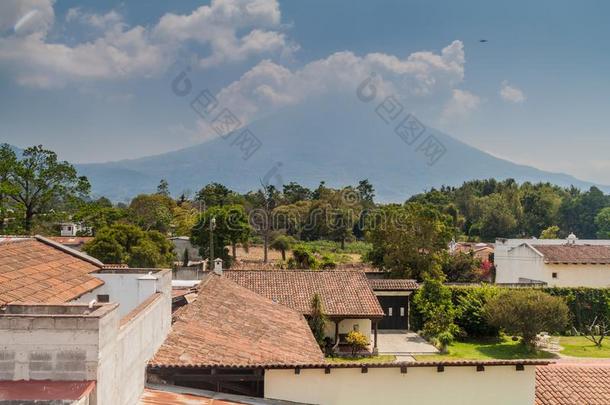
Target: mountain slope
[(339, 141)]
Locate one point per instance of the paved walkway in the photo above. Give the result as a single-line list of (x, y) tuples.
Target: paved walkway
[(403, 343)]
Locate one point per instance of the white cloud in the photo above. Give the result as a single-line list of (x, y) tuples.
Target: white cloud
[(461, 104), (233, 30), (511, 93), (422, 77), (26, 16), (100, 21)]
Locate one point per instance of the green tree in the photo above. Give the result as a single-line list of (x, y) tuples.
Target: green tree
[(282, 243), (8, 160), (540, 208), (294, 192), (552, 232), (107, 249), (341, 225), (433, 301), (317, 319), (231, 227), (602, 222), (129, 244), (497, 218), (366, 192), (461, 267), (215, 194), (98, 214), (527, 312), (578, 212), (163, 188), (470, 315), (152, 212), (38, 182), (408, 240)]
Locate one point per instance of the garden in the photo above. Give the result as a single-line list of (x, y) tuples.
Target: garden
[(488, 322)]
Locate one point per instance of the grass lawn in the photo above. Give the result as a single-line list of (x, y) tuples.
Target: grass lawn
[(578, 346), (487, 350), (384, 358)]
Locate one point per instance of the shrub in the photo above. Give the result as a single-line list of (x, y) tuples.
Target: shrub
[(303, 258), (470, 317), (433, 301), (527, 312), (357, 341), (317, 319)]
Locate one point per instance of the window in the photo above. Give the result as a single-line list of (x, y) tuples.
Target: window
[(554, 275), (390, 311), (402, 311), (103, 298)]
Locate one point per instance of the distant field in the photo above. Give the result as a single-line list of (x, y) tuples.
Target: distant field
[(352, 253)]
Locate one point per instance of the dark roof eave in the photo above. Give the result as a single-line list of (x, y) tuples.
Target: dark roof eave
[(454, 363)]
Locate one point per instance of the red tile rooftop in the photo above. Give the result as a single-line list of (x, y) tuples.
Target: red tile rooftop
[(393, 284), (572, 384), (158, 397), (44, 390), (230, 325), (343, 293), (575, 254), (39, 270)]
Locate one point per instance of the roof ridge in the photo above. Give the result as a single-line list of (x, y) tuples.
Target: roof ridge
[(70, 251)]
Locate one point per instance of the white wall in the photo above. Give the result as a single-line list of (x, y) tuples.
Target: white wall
[(126, 287), (347, 325), (498, 385), (522, 262), (122, 369), (105, 345)]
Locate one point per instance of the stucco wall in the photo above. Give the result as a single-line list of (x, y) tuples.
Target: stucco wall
[(347, 325), (519, 262), (577, 275), (498, 385), (524, 263), (122, 368), (128, 288)]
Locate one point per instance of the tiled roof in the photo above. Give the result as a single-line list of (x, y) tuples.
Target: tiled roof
[(158, 397), (575, 254), (393, 284), (343, 293), (573, 384), (229, 325), (21, 392), (37, 270)]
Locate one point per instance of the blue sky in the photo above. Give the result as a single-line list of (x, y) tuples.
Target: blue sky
[(91, 79)]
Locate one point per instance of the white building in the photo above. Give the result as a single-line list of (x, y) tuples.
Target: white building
[(72, 331), (567, 262)]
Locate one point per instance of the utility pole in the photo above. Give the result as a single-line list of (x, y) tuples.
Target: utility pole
[(212, 226)]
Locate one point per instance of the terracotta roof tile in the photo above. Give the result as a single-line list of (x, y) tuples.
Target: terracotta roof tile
[(230, 325), (158, 397), (572, 384), (34, 271), (575, 254), (393, 284), (343, 293)]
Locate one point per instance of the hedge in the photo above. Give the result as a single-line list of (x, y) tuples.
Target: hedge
[(584, 304)]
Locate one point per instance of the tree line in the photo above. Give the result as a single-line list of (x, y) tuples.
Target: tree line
[(37, 191)]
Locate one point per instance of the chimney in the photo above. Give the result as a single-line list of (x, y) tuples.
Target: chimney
[(218, 266), (571, 239)]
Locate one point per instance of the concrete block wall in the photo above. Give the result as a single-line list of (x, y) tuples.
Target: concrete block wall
[(46, 346)]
